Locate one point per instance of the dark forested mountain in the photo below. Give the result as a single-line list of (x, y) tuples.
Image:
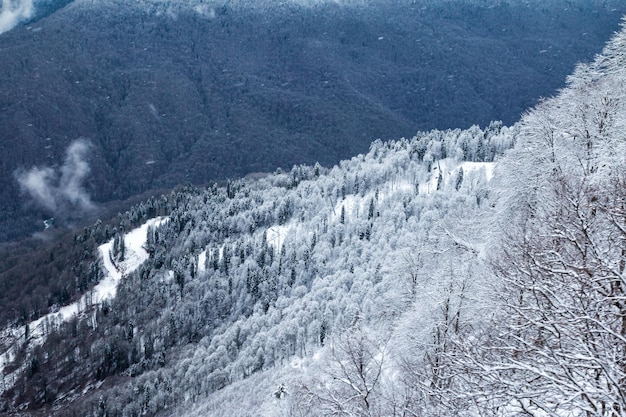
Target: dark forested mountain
[(163, 93)]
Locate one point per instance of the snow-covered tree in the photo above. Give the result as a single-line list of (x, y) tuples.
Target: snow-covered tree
[(559, 347)]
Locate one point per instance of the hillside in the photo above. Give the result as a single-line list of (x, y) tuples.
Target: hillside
[(460, 272), (245, 277), (156, 94)]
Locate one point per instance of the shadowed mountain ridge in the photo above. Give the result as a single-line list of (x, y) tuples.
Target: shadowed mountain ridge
[(200, 95)]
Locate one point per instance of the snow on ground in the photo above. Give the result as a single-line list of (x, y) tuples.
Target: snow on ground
[(209, 254), (105, 289), (202, 262), (477, 166), (450, 170), (135, 255), (356, 205), (276, 235), (352, 205)]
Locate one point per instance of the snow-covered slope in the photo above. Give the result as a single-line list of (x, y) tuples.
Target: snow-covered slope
[(36, 331), (364, 245), (266, 273), (428, 284), (270, 271), (470, 273)]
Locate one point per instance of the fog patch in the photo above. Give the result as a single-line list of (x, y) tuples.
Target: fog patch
[(13, 12), (205, 11), (60, 189)]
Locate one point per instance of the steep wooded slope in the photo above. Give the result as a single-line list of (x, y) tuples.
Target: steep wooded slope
[(167, 94), (441, 275), (244, 278), (522, 311), (418, 278)]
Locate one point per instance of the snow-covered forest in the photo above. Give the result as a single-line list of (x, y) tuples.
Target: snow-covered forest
[(477, 272)]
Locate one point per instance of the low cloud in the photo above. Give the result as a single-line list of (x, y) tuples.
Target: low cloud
[(13, 12), (73, 173), (61, 189)]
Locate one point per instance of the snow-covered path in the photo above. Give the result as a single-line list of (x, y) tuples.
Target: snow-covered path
[(135, 255)]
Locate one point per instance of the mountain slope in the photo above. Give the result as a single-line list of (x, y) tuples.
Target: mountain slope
[(520, 304), (165, 97), (460, 272), (287, 261), (416, 278)]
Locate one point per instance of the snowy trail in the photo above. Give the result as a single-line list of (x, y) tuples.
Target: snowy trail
[(104, 290), (135, 256)]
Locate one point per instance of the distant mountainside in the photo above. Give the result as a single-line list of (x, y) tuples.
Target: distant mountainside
[(476, 272), (158, 94)]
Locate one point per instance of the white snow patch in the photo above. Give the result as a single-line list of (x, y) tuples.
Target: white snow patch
[(450, 169), (276, 235), (351, 206), (401, 186), (430, 186), (135, 255), (478, 166), (169, 276), (202, 262), (209, 254)]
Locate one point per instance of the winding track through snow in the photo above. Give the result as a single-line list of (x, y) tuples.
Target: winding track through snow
[(136, 254)]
